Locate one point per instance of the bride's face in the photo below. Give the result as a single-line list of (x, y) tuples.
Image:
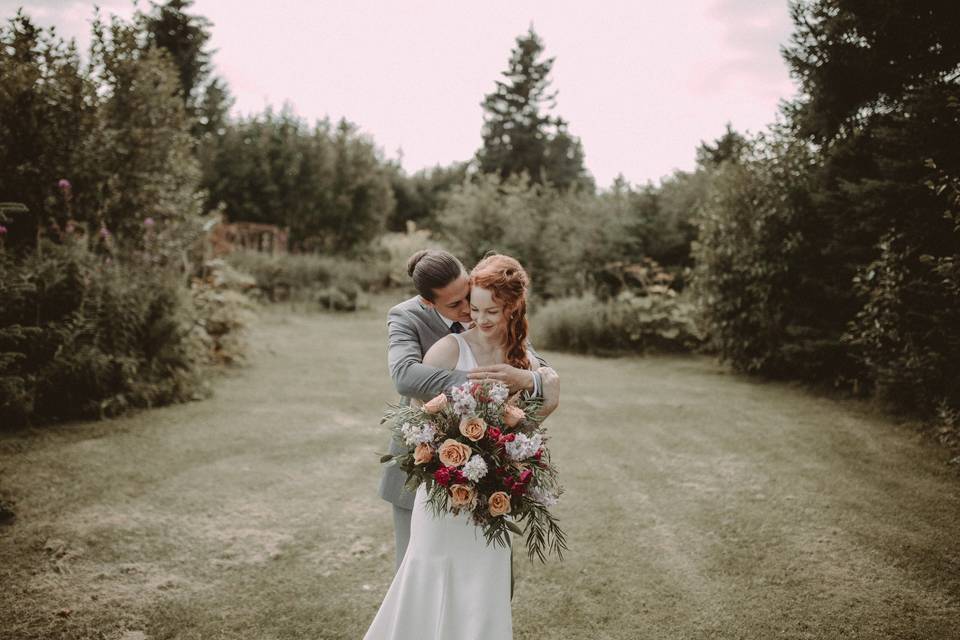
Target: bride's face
[(488, 314)]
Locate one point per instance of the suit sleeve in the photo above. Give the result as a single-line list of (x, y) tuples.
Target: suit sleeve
[(536, 361), (537, 356), (411, 377)]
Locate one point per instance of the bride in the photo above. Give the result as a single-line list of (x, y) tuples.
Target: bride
[(450, 584)]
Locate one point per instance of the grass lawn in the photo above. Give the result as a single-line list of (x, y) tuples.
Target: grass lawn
[(699, 504)]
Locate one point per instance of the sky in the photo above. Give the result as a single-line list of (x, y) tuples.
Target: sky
[(640, 82)]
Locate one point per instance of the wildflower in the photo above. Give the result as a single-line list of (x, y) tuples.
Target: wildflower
[(3, 230), (149, 222), (64, 184), (104, 233)]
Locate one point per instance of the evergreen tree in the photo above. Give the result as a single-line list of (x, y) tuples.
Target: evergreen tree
[(519, 134), (184, 37), (729, 147), (857, 58)]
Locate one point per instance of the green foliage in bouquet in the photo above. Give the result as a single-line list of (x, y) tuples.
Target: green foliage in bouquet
[(479, 454)]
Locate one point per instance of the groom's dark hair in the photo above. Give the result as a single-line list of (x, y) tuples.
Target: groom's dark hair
[(433, 269)]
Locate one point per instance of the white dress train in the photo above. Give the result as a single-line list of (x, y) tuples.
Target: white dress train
[(450, 584)]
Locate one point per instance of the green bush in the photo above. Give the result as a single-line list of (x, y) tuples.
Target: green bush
[(398, 247), (905, 336), (773, 299), (85, 337), (563, 238), (629, 323), (333, 282), (223, 311), (103, 147)]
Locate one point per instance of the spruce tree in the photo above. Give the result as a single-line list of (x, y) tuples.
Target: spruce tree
[(519, 133)]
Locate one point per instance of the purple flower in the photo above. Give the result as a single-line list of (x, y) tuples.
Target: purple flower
[(64, 183), (3, 230), (104, 232), (149, 222)]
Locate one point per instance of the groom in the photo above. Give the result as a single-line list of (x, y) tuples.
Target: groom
[(442, 307)]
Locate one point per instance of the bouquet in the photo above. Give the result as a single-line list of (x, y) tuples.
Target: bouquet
[(483, 453)]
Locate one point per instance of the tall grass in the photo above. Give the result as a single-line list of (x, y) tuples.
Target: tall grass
[(626, 324)]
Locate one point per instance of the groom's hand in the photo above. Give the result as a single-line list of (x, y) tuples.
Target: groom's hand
[(516, 379)]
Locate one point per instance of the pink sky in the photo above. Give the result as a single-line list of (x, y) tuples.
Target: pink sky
[(641, 83)]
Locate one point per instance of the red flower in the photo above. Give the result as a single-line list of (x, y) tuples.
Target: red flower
[(525, 476), (457, 475), (493, 433), (518, 489), (442, 475)]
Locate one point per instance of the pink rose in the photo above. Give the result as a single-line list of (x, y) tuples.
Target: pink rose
[(453, 453), (462, 496), (499, 504), (436, 405), (473, 428), (513, 415), (422, 454)]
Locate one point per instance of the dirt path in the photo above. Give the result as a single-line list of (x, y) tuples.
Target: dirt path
[(699, 504)]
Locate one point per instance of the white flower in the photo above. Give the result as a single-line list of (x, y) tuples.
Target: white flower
[(545, 498), (523, 447), (414, 435), (475, 468), (499, 393), (463, 401)]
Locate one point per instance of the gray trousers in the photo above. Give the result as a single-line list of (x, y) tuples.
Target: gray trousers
[(401, 531)]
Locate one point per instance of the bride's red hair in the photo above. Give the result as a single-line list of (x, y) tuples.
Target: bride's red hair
[(506, 279)]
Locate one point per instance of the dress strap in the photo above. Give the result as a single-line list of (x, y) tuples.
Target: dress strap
[(466, 360)]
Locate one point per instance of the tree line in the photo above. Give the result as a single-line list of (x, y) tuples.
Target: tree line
[(824, 248)]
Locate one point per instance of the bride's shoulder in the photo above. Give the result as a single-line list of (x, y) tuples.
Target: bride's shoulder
[(444, 353)]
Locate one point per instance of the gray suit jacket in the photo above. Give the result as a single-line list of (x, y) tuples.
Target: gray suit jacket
[(412, 328)]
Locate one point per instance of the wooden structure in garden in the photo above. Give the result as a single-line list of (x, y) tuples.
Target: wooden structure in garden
[(226, 237)]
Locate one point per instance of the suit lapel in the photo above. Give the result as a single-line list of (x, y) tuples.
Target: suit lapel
[(434, 320)]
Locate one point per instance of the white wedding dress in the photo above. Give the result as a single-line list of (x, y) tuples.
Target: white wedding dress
[(450, 584)]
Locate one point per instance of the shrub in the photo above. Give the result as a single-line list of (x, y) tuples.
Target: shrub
[(772, 296), (86, 337), (101, 146), (398, 247), (563, 238), (626, 324), (333, 282), (223, 312), (905, 336)]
